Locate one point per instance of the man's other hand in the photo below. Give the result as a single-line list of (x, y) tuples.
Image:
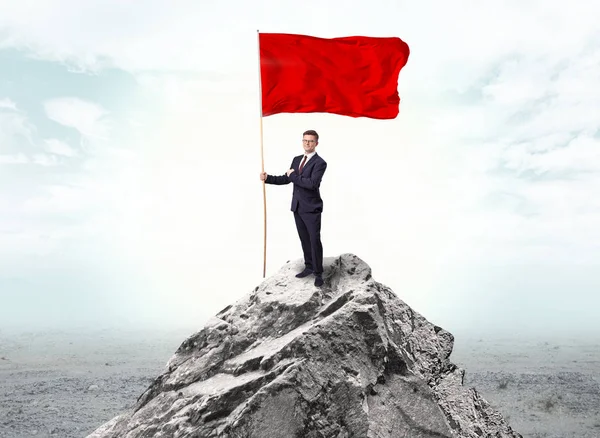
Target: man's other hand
[(289, 171), (263, 176)]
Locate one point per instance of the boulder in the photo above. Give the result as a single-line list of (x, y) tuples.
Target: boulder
[(350, 359)]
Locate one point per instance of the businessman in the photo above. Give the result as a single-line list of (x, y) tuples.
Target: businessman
[(306, 173)]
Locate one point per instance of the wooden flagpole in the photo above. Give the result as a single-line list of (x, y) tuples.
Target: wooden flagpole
[(262, 158)]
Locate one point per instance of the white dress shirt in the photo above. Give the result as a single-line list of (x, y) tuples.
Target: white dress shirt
[(309, 156)]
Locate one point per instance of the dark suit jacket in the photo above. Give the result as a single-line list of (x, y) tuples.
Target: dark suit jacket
[(306, 197)]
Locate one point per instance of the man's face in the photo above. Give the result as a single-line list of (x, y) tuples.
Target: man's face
[(309, 142)]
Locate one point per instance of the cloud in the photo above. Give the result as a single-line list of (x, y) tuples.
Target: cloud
[(150, 38), (51, 196), (18, 137), (519, 82), (58, 199), (87, 117), (45, 160), (14, 159), (522, 131), (25, 242), (16, 132), (38, 159), (58, 147), (6, 103), (581, 154)]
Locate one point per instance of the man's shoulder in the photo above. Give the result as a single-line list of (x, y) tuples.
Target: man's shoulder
[(320, 158)]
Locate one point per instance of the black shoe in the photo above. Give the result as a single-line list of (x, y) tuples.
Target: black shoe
[(319, 281), (304, 273)]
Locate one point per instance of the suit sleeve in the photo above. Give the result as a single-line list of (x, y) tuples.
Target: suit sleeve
[(280, 179), (277, 180), (314, 181)]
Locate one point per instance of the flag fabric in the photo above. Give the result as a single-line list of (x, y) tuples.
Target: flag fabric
[(354, 76)]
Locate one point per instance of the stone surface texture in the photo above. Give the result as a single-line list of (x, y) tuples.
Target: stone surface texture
[(289, 359)]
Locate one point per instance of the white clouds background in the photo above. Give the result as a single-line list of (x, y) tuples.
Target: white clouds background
[(477, 205), (86, 117)]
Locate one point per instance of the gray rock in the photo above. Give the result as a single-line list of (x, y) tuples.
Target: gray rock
[(291, 360)]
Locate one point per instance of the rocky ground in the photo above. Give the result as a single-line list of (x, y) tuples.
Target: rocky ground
[(545, 388), (67, 384)]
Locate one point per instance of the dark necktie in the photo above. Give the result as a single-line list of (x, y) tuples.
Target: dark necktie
[(302, 164)]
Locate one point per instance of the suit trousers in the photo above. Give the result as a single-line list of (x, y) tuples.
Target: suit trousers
[(309, 230)]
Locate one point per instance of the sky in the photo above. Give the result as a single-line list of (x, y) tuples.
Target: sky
[(130, 159)]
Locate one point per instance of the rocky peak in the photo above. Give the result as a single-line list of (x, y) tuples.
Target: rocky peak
[(291, 360)]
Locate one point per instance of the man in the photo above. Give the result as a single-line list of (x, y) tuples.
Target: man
[(306, 173)]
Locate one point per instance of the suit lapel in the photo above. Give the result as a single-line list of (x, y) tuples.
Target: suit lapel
[(308, 163), (298, 160)]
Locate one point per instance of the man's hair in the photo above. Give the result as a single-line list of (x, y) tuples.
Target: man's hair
[(311, 132)]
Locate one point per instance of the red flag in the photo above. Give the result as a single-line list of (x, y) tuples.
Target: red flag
[(353, 76)]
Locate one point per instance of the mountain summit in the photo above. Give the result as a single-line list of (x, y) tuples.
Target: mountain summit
[(290, 360)]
